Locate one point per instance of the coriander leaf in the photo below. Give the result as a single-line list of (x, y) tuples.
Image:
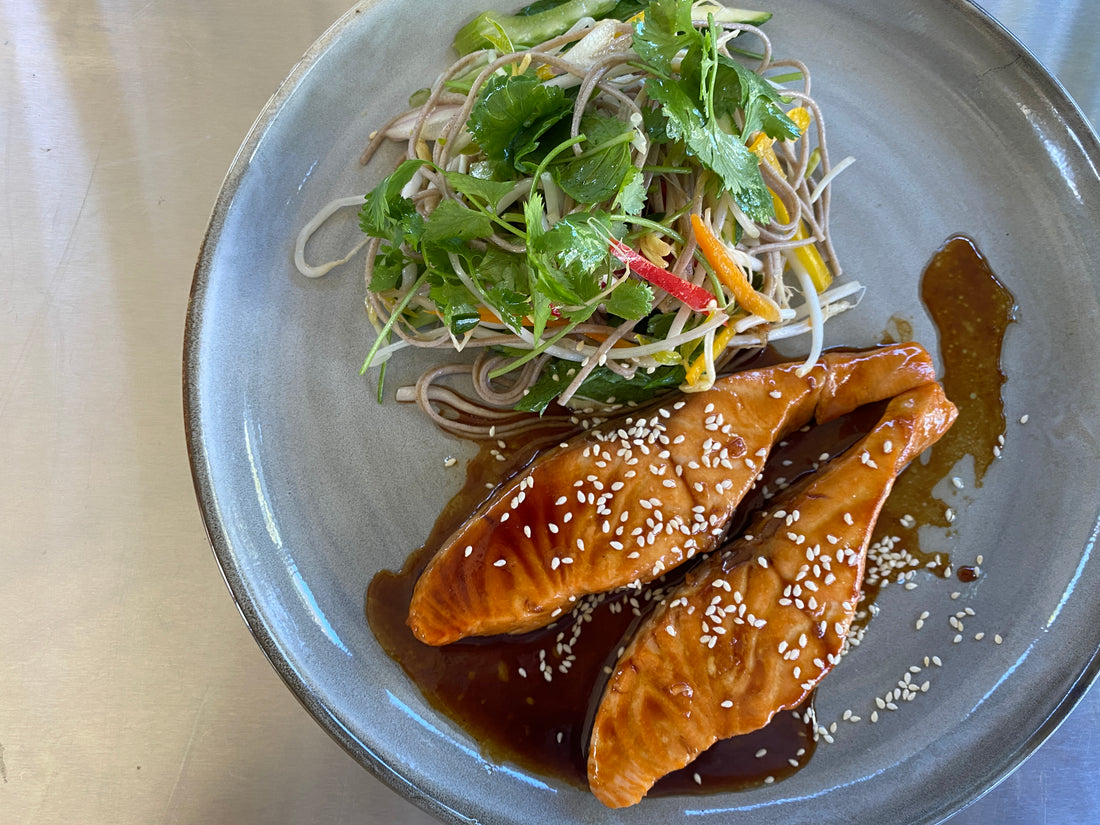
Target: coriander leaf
[(630, 300), (384, 213), (510, 306), (541, 311), (598, 172), (540, 301), (659, 324), (664, 31), (389, 265), (510, 115), (578, 242), (738, 168), (503, 277), (489, 192), (631, 196), (451, 224), (502, 268), (456, 305), (654, 122), (739, 87), (533, 215), (571, 258)]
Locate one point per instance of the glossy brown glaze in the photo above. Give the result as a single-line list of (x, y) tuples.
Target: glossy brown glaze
[(496, 687), (543, 725), (623, 504), (971, 310), (758, 623)]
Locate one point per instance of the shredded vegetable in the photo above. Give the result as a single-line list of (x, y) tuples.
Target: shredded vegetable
[(604, 199)]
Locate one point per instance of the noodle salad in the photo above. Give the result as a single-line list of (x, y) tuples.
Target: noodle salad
[(605, 199)]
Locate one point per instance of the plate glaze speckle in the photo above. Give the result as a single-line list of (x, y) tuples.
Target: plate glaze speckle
[(308, 486)]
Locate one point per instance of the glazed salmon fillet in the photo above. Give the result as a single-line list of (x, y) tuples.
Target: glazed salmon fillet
[(757, 625), (622, 505)]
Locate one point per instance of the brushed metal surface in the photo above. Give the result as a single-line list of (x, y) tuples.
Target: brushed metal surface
[(130, 691)]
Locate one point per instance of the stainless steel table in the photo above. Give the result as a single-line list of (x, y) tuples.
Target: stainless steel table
[(130, 690)]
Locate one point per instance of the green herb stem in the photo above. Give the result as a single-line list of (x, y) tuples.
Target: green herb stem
[(384, 333)]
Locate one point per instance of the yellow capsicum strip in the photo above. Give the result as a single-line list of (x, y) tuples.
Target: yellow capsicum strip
[(805, 256), (695, 371)]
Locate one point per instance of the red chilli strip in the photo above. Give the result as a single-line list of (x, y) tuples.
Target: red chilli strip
[(694, 296)]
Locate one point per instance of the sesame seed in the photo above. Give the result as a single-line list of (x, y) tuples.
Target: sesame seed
[(500, 563), (1023, 419)]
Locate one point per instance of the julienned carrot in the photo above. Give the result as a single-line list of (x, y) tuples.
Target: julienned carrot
[(731, 275), (694, 296)]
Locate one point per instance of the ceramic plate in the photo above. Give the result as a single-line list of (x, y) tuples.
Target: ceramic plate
[(309, 487)]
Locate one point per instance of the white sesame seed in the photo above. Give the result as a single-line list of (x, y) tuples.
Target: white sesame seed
[(500, 563)]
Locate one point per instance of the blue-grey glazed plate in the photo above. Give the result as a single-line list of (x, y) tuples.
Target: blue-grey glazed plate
[(308, 486)]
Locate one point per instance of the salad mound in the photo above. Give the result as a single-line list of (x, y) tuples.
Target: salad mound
[(604, 199)]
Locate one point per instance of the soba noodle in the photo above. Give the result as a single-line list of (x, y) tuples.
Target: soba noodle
[(610, 81)]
